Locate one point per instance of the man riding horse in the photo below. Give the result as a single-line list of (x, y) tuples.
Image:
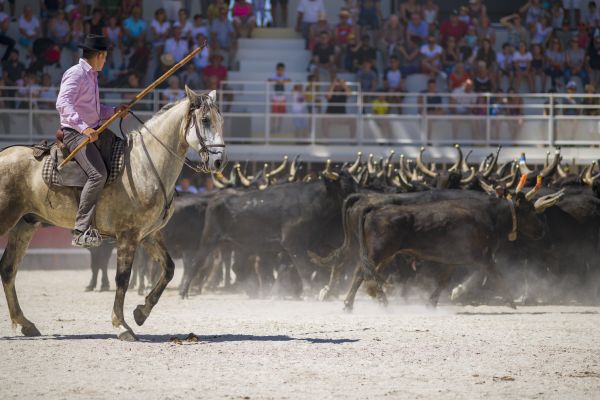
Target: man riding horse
[(81, 113)]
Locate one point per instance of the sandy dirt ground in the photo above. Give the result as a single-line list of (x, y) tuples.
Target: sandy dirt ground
[(275, 349)]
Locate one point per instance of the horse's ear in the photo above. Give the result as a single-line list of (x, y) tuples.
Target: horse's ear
[(190, 93), (213, 95)]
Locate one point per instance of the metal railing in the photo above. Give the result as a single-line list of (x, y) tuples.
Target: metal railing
[(261, 113)]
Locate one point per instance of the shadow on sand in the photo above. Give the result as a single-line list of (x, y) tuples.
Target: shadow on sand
[(181, 337)]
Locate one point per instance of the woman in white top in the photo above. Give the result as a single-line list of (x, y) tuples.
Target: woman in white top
[(430, 12), (160, 29), (522, 62), (185, 23)]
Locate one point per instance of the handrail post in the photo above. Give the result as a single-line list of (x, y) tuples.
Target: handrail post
[(267, 113), (488, 121), (313, 117), (424, 121), (361, 115), (30, 119), (551, 122)]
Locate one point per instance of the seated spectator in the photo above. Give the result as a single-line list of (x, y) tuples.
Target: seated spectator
[(13, 71), (591, 102), (522, 66), (364, 51), (203, 58), (185, 186), (450, 56), (486, 54), (429, 101), (243, 17), (367, 77), (482, 81), (416, 27), (392, 77), (191, 78), (184, 23), (308, 14), (570, 99), (486, 31), (432, 57), (369, 14), (176, 45), (533, 12), (216, 69), (317, 28), (4, 38), (504, 63), (592, 17), (114, 33), (172, 7), (199, 27), (214, 10), (323, 55), (516, 32), (29, 88), (555, 62), (458, 76), (59, 30), (174, 91), (48, 94), (223, 37), (134, 84), (537, 66), (410, 57), (134, 27), (453, 27), (407, 9), (575, 62), (343, 30), (278, 100), (542, 32), (583, 37), (29, 28), (463, 15), (140, 58), (95, 25), (557, 15), (477, 10), (381, 105), (160, 29), (392, 36), (430, 13)]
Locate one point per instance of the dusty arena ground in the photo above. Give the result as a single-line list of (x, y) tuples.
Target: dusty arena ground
[(273, 349)]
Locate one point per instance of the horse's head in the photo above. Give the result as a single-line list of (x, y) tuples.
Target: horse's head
[(204, 129)]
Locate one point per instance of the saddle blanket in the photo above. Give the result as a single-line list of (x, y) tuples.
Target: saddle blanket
[(71, 175)]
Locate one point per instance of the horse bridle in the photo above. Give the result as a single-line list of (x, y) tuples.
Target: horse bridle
[(205, 149)]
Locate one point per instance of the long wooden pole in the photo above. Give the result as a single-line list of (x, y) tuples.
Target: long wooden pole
[(137, 98)]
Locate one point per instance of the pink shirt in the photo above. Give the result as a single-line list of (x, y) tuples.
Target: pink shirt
[(78, 101)]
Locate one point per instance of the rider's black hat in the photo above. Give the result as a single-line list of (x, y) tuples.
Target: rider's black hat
[(94, 42)]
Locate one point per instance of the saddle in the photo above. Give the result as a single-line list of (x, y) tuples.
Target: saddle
[(71, 174)]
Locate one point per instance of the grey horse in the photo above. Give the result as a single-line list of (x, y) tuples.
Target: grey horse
[(132, 210)]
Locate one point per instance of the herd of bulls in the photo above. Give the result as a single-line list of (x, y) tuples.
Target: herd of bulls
[(493, 232)]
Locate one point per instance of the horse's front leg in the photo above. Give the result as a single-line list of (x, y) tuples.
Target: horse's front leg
[(156, 249), (126, 245)]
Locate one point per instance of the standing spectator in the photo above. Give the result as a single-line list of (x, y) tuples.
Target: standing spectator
[(514, 109), (4, 38), (59, 30), (522, 65), (223, 36), (367, 77), (369, 14), (160, 28), (458, 76), (337, 96), (593, 58), (364, 51), (569, 127), (410, 56), (407, 9), (312, 96), (392, 36), (393, 83), (462, 102), (203, 58), (504, 63), (592, 17), (176, 45), (174, 91), (516, 32), (171, 8), (430, 13), (191, 78), (486, 31), (533, 12), (416, 27), (450, 56), (453, 27), (429, 100), (308, 14), (537, 67), (317, 28), (198, 28), (95, 25), (324, 55), (432, 57), (575, 62), (299, 109), (134, 27), (542, 32), (29, 28), (283, 5), (183, 22), (278, 100), (215, 69), (555, 62), (343, 30)]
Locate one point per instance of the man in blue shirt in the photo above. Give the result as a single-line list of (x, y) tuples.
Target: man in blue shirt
[(134, 26)]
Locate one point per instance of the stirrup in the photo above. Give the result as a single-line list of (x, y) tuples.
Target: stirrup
[(90, 238)]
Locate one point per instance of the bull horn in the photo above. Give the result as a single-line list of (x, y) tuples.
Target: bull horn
[(512, 178), (547, 159), (489, 189), (492, 166), (293, 169), (523, 165), (390, 157), (561, 172), (458, 163), (536, 188), (364, 178), (501, 170), (221, 178), (521, 183), (548, 201), (468, 179), (352, 169), (243, 179), (422, 167), (217, 183), (550, 168), (584, 173), (404, 180), (465, 165), (587, 176), (370, 165), (389, 170), (280, 169), (328, 173), (265, 185)]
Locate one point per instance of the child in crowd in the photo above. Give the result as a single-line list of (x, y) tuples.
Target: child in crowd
[(278, 103), (298, 109)]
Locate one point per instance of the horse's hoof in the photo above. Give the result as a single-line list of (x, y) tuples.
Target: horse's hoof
[(89, 288), (127, 336), (30, 331), (348, 308), (104, 288), (139, 316), (324, 293)]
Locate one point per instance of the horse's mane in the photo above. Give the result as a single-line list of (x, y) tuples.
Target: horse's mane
[(202, 103)]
